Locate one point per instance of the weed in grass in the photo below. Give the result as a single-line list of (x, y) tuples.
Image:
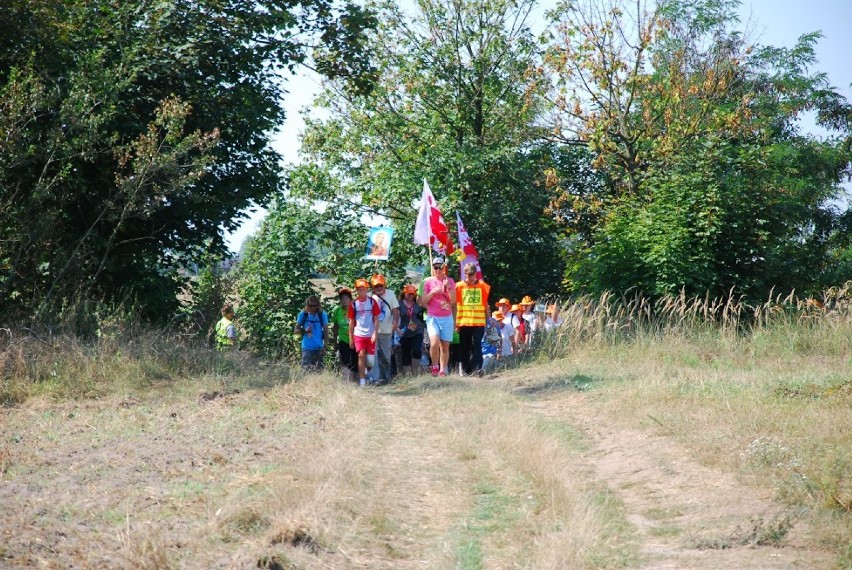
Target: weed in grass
[(563, 433), (466, 455), (297, 536), (382, 524), (665, 530), (661, 514), (275, 562), (469, 554), (492, 513), (759, 532), (245, 521), (764, 533), (145, 553), (188, 489)]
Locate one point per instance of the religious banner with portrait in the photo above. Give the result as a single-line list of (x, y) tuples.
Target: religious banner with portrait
[(379, 243)]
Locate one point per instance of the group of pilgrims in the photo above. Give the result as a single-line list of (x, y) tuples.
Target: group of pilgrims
[(443, 326)]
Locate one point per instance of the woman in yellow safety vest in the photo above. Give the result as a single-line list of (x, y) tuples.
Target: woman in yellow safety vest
[(471, 314)]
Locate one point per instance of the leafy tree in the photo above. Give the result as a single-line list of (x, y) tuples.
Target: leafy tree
[(712, 186), (456, 101), (136, 131), (274, 277)]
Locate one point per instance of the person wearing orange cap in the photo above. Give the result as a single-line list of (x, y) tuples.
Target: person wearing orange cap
[(471, 316), (363, 328), (340, 330), (529, 318), (410, 331), (504, 307), (520, 326), (507, 336), (553, 318), (388, 323), (439, 300)]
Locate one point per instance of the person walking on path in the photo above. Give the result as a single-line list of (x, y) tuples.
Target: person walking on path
[(388, 323), (530, 321), (554, 320), (507, 335), (340, 331), (410, 331), (226, 330), (312, 325), (505, 309), (363, 328), (471, 316), (439, 300)]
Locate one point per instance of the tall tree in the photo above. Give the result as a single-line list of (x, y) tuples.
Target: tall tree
[(457, 101), (136, 131), (713, 186)]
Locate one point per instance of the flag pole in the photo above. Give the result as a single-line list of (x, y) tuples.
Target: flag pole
[(429, 221)]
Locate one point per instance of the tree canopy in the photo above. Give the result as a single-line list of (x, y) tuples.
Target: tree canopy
[(134, 132)]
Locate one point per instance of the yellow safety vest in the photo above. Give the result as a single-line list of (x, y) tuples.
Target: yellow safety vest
[(222, 340), (472, 304)]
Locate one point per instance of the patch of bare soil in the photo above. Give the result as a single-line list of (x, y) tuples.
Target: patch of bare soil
[(686, 515)]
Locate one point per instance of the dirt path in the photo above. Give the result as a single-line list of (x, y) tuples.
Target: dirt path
[(686, 515), (462, 473)]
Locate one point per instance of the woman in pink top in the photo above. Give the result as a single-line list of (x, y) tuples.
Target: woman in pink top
[(439, 299)]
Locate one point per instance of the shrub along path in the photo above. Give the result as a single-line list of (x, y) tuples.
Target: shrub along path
[(501, 472)]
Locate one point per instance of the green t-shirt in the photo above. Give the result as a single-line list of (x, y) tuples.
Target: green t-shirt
[(341, 319)]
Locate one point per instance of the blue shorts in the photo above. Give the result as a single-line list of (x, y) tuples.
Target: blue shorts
[(441, 327)]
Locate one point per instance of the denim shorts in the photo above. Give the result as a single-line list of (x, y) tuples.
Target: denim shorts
[(312, 359), (441, 327)]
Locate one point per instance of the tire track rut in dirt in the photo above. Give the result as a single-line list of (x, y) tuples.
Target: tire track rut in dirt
[(685, 515)]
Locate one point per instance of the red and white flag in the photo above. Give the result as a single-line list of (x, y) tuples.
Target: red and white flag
[(430, 228), (470, 253)]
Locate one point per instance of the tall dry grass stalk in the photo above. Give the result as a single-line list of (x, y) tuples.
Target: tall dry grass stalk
[(763, 390), (612, 318), (124, 361)]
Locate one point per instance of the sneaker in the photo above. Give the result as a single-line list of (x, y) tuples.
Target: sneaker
[(362, 382), (442, 373), (435, 371)]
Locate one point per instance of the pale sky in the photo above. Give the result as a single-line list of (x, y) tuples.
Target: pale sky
[(777, 23)]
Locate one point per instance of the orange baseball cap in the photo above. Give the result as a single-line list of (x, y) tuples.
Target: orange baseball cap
[(515, 308), (527, 300), (503, 301), (409, 289), (378, 279), (361, 283)]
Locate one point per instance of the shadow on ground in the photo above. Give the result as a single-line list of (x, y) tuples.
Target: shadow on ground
[(428, 385), (568, 383)]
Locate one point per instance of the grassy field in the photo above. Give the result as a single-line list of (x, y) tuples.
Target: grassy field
[(624, 443)]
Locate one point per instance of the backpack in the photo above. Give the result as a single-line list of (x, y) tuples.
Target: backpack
[(321, 316), (384, 313)]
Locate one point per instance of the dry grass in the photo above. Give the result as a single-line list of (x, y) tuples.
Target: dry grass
[(170, 456), (128, 362), (763, 391)]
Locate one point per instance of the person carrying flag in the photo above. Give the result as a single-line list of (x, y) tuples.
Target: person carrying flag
[(439, 299)]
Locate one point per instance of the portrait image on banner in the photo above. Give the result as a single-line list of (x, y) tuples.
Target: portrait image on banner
[(379, 243)]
